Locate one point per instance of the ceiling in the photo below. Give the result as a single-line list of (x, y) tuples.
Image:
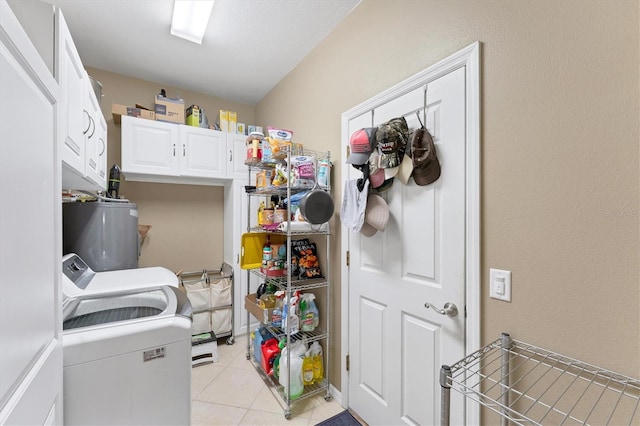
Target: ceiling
[(249, 46)]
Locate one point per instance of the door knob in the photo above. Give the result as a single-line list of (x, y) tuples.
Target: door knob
[(449, 310)]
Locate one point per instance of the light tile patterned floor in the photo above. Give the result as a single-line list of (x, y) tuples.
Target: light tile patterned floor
[(231, 392)]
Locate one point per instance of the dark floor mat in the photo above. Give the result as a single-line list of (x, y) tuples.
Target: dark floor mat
[(341, 419)]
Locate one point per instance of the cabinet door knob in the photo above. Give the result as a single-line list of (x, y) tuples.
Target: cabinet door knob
[(92, 124), (84, 132)]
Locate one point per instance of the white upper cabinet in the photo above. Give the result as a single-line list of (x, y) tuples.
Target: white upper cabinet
[(84, 149), (153, 151), (202, 153)]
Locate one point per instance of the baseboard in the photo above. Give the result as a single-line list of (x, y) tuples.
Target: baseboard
[(336, 395)]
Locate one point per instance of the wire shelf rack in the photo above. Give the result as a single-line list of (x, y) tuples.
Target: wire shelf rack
[(528, 385)]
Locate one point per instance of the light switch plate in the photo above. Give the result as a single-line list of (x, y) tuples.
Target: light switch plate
[(500, 284)]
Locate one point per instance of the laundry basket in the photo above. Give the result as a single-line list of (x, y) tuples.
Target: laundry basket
[(210, 292)]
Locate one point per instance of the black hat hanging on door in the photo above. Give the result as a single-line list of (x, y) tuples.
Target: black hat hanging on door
[(426, 167)]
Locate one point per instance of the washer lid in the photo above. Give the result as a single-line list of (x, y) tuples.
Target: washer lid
[(79, 279), (89, 311)]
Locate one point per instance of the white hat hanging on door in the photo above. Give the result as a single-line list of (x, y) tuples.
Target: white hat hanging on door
[(376, 215)]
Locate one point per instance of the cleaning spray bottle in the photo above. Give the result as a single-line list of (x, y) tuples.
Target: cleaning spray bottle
[(293, 321), (309, 314)]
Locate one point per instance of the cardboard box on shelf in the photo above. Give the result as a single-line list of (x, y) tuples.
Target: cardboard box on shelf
[(251, 305), (170, 110), (117, 111), (193, 116)]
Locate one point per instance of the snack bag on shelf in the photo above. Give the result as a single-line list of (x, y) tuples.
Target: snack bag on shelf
[(302, 171), (305, 256)]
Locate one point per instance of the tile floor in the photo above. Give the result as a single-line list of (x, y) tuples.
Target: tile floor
[(231, 392)]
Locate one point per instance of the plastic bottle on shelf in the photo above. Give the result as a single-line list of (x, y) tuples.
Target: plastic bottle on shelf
[(260, 211), (276, 314), (318, 361), (294, 370), (270, 350), (259, 336), (266, 248), (262, 289), (288, 313), (309, 314), (293, 321), (307, 369)]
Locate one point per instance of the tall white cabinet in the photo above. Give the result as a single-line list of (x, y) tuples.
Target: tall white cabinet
[(30, 230)]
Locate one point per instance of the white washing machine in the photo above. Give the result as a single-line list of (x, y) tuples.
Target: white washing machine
[(127, 350)]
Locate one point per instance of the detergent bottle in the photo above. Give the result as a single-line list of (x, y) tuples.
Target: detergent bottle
[(307, 369), (317, 359), (292, 354), (309, 315), (270, 351)]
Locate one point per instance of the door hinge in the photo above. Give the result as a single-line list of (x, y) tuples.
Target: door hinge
[(348, 259), (348, 151), (347, 362)]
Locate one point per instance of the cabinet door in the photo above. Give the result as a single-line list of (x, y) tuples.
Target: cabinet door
[(95, 140), (149, 147), (71, 76), (236, 154), (202, 153)]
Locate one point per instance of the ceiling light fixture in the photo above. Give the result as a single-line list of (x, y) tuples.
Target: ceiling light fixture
[(190, 19)]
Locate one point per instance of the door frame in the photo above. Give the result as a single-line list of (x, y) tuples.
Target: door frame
[(468, 57)]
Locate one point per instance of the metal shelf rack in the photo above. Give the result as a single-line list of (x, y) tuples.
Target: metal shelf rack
[(528, 385), (291, 284)]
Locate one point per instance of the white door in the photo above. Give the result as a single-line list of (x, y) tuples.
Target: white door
[(149, 147), (30, 234), (396, 344)]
